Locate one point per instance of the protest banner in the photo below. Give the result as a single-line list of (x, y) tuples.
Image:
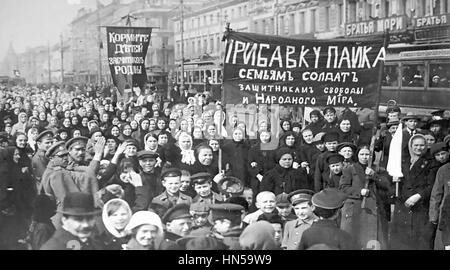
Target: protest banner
[(263, 69), (127, 48)]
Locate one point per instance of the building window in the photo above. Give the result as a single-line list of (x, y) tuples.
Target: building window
[(255, 26), (240, 12), (280, 30), (232, 13), (327, 19), (199, 47), (205, 46), (291, 24), (313, 21), (352, 11), (211, 19), (272, 26), (340, 14), (302, 22), (211, 45)]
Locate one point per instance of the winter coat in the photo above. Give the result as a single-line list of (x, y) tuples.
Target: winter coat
[(238, 155), (64, 240), (279, 180)]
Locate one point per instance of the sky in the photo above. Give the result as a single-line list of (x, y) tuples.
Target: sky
[(31, 23)]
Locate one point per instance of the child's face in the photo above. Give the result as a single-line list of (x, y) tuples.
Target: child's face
[(248, 196), (284, 211), (172, 184), (266, 203), (320, 146), (203, 190), (278, 232), (303, 210)]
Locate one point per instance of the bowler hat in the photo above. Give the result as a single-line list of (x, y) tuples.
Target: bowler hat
[(147, 154), (179, 211), (79, 204), (76, 141), (56, 148), (230, 186), (301, 195), (329, 198), (46, 134), (409, 116)]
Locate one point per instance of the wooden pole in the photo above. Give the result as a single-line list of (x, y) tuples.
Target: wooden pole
[(375, 130)]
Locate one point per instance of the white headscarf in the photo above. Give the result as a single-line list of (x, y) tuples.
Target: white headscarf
[(413, 156), (187, 155), (105, 217)]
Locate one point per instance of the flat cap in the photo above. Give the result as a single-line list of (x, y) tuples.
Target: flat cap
[(56, 149), (132, 142), (179, 211), (301, 195), (334, 158), (46, 134), (438, 147), (147, 154), (346, 144), (170, 172), (199, 208), (200, 178), (76, 141), (329, 198), (228, 211), (281, 200)]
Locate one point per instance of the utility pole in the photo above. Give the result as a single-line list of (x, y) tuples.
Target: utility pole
[(182, 46), (62, 60), (49, 66), (99, 47)]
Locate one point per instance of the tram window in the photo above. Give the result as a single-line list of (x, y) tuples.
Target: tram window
[(196, 77), (390, 76), (219, 76), (440, 75), (413, 75)]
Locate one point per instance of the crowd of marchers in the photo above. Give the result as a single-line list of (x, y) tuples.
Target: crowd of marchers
[(94, 171)]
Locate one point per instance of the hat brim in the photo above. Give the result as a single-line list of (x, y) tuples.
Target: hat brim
[(78, 214)]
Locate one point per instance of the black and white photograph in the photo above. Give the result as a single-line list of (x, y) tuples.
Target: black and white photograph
[(225, 125)]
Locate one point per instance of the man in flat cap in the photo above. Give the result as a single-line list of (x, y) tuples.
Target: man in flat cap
[(411, 121), (39, 161), (202, 183), (335, 164), (178, 223), (293, 230), (284, 207), (325, 229), (200, 212), (226, 219), (78, 224), (171, 180), (150, 179)]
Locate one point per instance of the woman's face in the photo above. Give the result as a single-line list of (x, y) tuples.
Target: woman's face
[(42, 116), (16, 156), (286, 126), (145, 124), (74, 121), (161, 124), (286, 161), (363, 156), (345, 126), (152, 143), (35, 113), (123, 116), (214, 145), (127, 130), (21, 141), (33, 134), (212, 130), (430, 139), (263, 126), (185, 142), (184, 125), (346, 152), (119, 219), (205, 156), (66, 122), (264, 137), (152, 125), (134, 125), (435, 128), (146, 234), (163, 139), (199, 123), (115, 121), (63, 135), (131, 150), (105, 117), (115, 131), (76, 134), (308, 136), (314, 118), (84, 122), (197, 133), (237, 135), (172, 124), (290, 140), (67, 114)]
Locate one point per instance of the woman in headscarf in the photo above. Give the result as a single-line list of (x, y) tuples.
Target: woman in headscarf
[(32, 133), (116, 215), (204, 160), (237, 151), (361, 183), (259, 235), (146, 231), (283, 177), (53, 124), (182, 154), (410, 227), (285, 126), (114, 131), (290, 140), (151, 144), (261, 159), (140, 134), (126, 133), (345, 131)]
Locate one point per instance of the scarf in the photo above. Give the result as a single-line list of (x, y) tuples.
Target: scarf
[(187, 157), (413, 156)]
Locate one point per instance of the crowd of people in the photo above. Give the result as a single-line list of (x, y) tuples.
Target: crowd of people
[(93, 171)]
